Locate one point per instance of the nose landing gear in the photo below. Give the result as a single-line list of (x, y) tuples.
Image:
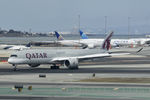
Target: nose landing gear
[(15, 67)]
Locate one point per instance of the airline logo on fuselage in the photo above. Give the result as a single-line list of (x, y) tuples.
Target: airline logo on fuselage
[(36, 55)]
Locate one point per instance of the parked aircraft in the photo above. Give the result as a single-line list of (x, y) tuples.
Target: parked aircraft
[(16, 47), (114, 42), (62, 41), (69, 57)]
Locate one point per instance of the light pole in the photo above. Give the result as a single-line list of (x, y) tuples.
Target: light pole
[(79, 21), (128, 27), (105, 24)]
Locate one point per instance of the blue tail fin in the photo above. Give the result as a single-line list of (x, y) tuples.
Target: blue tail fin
[(83, 35), (59, 37), (106, 42)]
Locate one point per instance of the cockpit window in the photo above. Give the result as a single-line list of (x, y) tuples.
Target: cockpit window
[(13, 56)]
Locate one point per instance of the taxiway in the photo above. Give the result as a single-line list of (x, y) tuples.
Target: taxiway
[(65, 84)]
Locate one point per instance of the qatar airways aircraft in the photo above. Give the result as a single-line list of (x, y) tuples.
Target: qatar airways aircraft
[(69, 57)]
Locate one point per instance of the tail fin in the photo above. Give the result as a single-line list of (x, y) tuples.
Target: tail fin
[(106, 42), (59, 37), (28, 45), (82, 35)]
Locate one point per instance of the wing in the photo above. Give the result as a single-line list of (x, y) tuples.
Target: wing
[(61, 59), (80, 58)]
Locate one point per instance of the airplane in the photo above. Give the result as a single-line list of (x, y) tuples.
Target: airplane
[(62, 41), (70, 58), (16, 47), (114, 42)]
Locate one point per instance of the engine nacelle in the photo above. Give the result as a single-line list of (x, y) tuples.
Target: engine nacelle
[(115, 45), (71, 63), (91, 46), (34, 65)]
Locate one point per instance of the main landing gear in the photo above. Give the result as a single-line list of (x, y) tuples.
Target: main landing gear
[(54, 66)]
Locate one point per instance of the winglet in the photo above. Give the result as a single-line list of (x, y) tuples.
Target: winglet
[(83, 35), (106, 42), (139, 50), (59, 37)]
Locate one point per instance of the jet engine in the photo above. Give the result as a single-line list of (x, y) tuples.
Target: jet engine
[(91, 46), (71, 63), (34, 65)]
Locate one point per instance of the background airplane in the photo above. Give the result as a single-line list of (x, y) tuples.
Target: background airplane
[(16, 47), (114, 42), (62, 41)]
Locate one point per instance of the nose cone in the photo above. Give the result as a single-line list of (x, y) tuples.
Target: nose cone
[(11, 60)]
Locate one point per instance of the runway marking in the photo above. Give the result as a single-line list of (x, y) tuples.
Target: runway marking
[(117, 66), (116, 80)]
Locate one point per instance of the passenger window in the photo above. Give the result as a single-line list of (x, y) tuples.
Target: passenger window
[(13, 56)]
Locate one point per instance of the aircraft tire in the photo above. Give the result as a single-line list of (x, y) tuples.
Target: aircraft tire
[(54, 67)]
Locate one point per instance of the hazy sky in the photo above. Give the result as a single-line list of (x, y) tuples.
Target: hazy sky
[(62, 15)]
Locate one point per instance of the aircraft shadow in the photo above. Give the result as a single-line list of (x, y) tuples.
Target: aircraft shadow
[(7, 71)]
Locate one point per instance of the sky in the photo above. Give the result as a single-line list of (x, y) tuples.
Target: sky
[(62, 15)]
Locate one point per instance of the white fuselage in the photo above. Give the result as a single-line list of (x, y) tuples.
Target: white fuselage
[(98, 42), (45, 56)]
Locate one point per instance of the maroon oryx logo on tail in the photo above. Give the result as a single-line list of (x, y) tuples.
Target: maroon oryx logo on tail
[(106, 43)]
